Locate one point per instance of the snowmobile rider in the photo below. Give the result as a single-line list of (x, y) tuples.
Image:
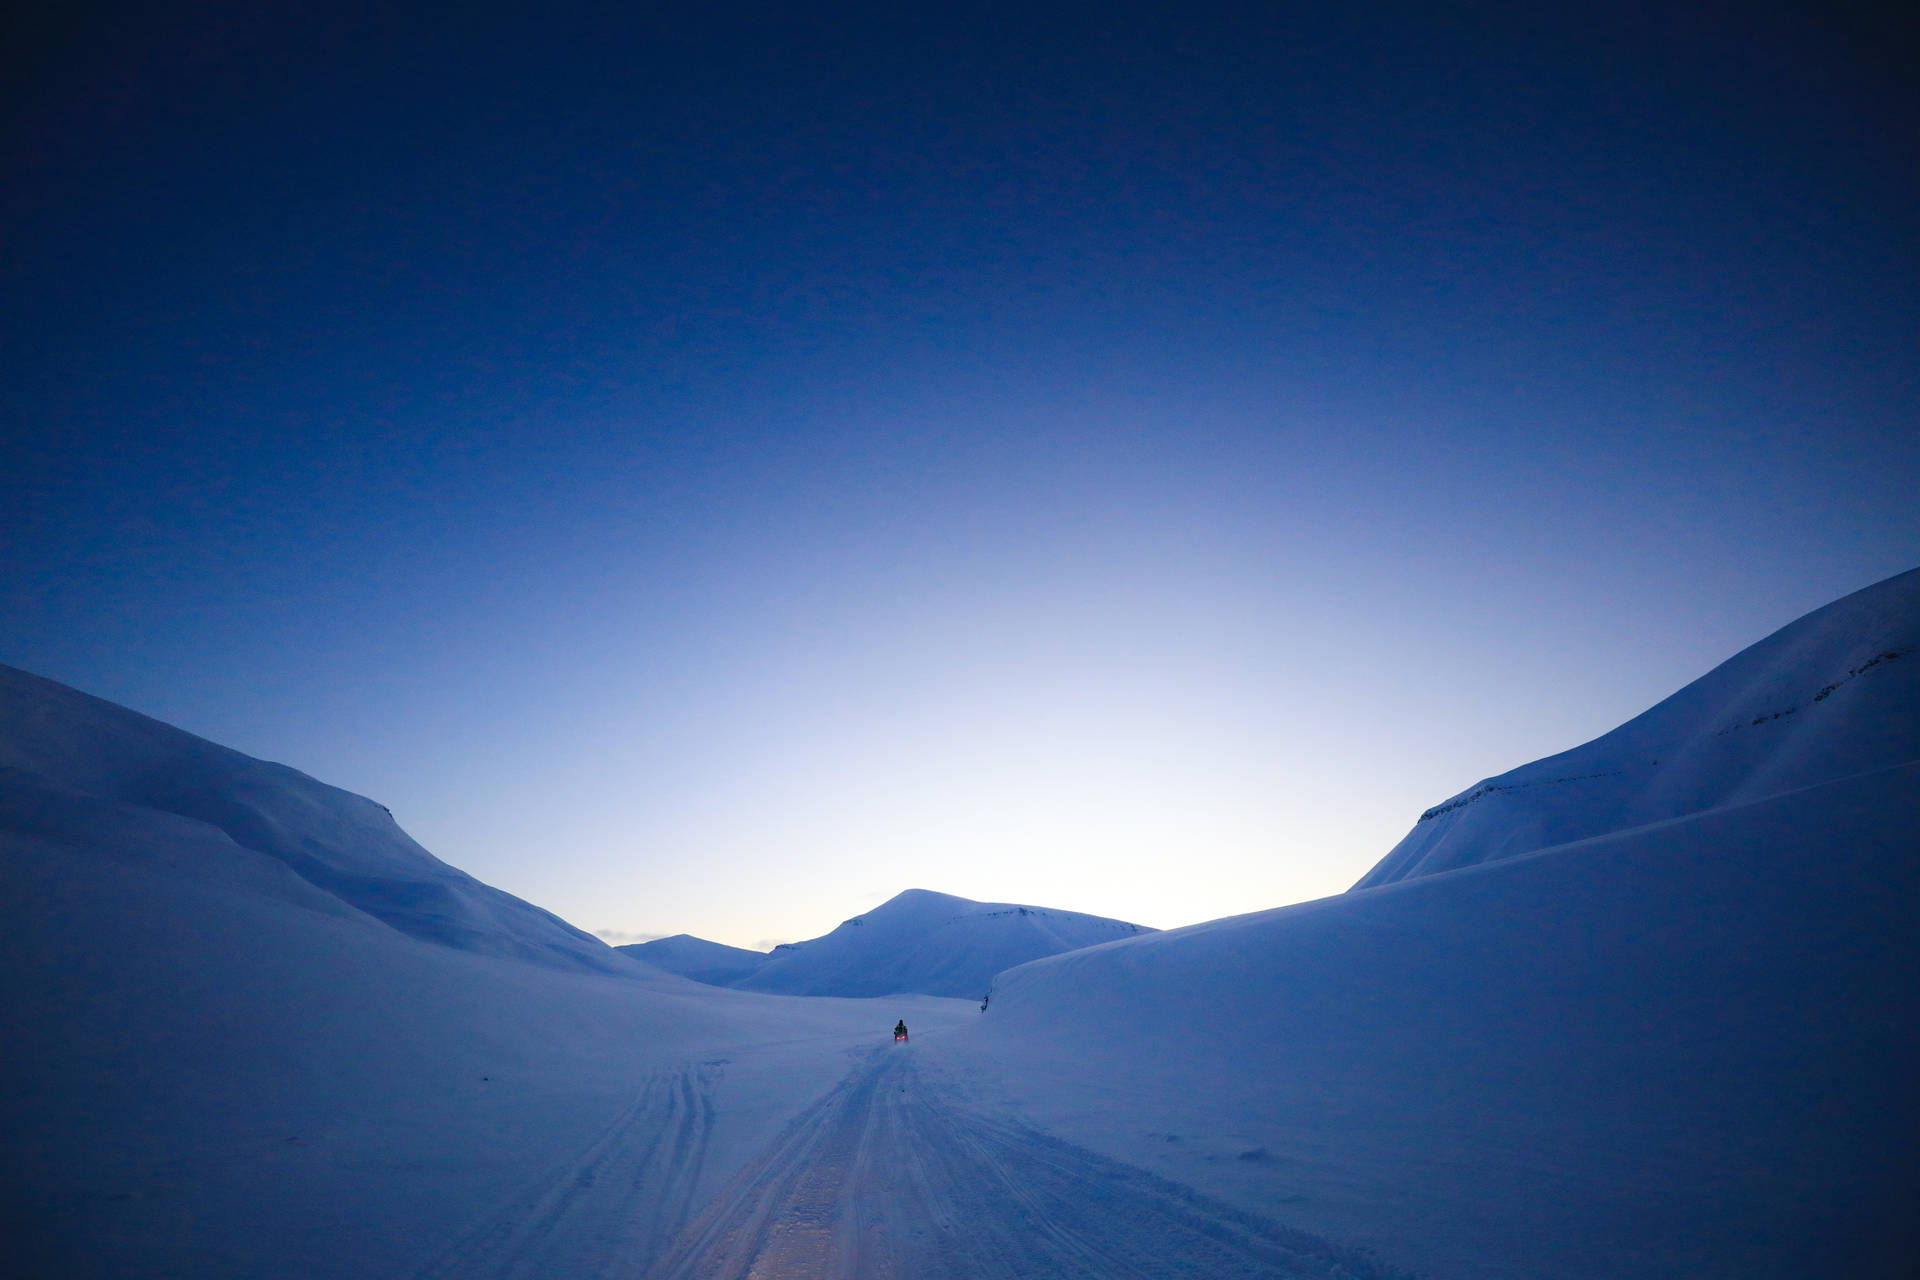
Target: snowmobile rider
[(900, 1029)]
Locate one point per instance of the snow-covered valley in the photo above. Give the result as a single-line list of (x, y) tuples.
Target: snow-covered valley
[(1643, 1008)]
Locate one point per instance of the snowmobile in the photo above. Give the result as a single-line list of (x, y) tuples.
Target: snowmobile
[(900, 1033)]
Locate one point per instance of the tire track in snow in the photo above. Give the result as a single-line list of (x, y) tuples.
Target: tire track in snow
[(611, 1209), (882, 1179)]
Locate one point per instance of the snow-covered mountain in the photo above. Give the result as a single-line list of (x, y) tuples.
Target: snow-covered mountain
[(714, 963), (1657, 1022), (69, 758), (930, 943), (1828, 696)]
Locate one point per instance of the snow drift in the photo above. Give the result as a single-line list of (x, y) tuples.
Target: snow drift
[(930, 943), (1682, 1047)]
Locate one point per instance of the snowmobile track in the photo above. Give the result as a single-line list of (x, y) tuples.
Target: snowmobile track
[(883, 1180), (610, 1209)]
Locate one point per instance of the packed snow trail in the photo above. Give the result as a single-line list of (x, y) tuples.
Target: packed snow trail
[(884, 1178), (608, 1211)]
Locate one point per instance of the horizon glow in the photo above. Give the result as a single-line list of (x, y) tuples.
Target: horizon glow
[(711, 479)]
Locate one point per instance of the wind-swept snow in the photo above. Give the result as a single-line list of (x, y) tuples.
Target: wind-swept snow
[(932, 943)]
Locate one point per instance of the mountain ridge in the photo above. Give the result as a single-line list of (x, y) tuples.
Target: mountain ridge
[(62, 747), (1821, 698), (713, 963), (929, 943)]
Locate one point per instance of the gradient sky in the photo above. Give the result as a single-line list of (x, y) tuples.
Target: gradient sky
[(712, 468)]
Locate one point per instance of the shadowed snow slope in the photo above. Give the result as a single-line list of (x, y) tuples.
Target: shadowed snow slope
[(1830, 695), (696, 958), (64, 753), (930, 943), (1681, 1048)]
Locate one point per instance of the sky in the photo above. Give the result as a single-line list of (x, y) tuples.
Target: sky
[(711, 468)]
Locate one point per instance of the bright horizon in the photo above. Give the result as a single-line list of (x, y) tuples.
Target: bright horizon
[(710, 477), (950, 864)]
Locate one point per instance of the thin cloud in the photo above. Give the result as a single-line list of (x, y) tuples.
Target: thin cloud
[(620, 937)]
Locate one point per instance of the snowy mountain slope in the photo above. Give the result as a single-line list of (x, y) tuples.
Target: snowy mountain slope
[(1683, 1047), (57, 741), (696, 958), (931, 943), (1830, 695)]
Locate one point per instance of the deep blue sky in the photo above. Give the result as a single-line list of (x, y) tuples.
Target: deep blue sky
[(712, 471)]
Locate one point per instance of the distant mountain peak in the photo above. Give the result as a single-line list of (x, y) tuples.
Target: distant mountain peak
[(929, 943), (714, 963)]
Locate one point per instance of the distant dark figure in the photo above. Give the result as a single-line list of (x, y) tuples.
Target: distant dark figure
[(983, 1001), (900, 1029)]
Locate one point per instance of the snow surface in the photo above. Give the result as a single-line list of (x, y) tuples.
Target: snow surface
[(714, 963), (237, 1043), (931, 943)]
